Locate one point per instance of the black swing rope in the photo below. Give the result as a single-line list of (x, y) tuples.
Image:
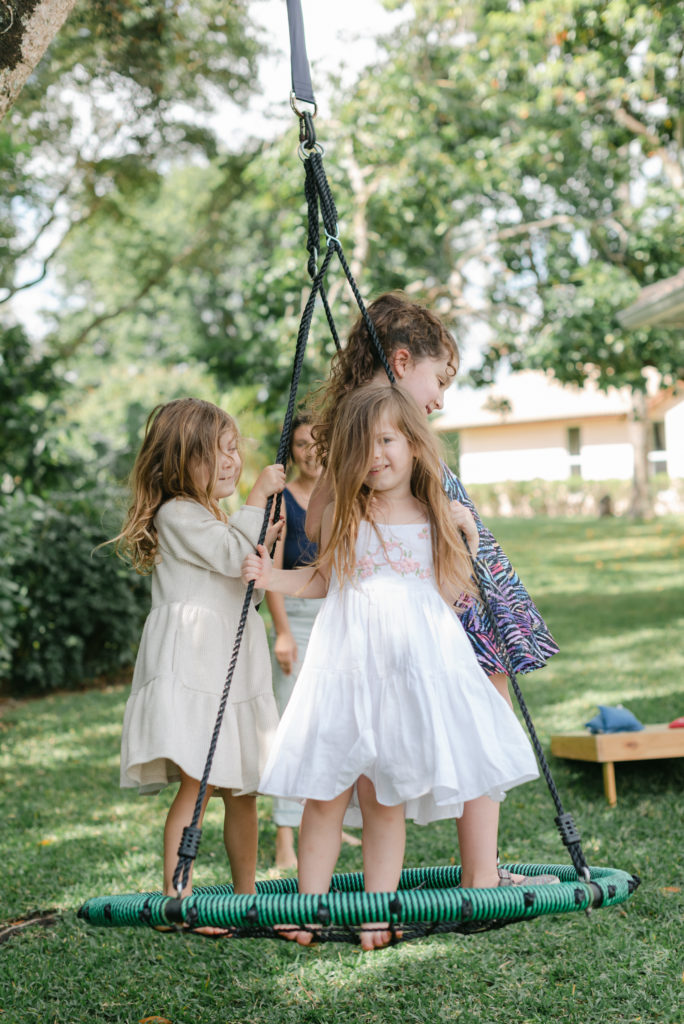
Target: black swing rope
[(429, 900), (317, 189), (317, 192)]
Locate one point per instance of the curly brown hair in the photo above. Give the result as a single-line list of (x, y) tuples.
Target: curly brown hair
[(399, 323), (179, 436)]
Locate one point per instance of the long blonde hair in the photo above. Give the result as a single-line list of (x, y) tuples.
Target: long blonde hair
[(180, 436), (350, 456)]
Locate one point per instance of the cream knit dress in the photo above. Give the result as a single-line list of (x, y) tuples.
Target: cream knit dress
[(185, 650)]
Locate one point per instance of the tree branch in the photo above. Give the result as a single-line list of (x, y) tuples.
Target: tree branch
[(672, 168), (11, 292), (165, 267), (362, 189), (25, 42), (512, 232)]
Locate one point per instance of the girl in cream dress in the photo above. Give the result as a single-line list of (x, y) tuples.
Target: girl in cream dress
[(176, 531)]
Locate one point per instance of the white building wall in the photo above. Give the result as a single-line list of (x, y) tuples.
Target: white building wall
[(606, 452), (674, 440), (607, 461), (540, 451), (533, 463)]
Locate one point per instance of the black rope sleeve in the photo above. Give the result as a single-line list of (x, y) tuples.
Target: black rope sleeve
[(299, 64)]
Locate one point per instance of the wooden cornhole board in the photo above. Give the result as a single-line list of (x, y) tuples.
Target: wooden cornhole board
[(654, 741)]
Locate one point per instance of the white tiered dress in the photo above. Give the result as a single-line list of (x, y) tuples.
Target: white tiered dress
[(391, 689)]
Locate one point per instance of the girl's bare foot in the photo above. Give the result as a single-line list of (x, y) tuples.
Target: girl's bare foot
[(208, 930), (376, 935), (303, 936), (286, 858), (211, 932)]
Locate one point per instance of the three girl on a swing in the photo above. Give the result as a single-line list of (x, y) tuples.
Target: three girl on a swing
[(393, 714)]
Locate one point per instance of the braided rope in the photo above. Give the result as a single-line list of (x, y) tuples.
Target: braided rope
[(320, 203), (569, 834), (192, 833)]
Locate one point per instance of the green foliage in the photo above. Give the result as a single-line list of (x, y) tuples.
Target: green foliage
[(153, 54), (39, 452), (208, 269), (68, 612), (572, 497), (29, 390), (570, 144), (123, 94), (511, 164), (530, 186)]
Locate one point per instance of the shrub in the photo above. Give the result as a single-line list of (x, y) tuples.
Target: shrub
[(68, 612), (574, 496)]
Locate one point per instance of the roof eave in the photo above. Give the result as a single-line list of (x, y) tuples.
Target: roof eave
[(666, 311)]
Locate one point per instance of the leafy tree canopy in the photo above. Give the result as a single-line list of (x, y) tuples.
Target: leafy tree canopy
[(518, 166), (524, 166)]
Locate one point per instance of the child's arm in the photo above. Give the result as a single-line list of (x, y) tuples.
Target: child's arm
[(304, 582), (271, 480), (190, 533), (285, 646)]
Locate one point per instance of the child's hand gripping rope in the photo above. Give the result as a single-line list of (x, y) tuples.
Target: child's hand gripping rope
[(258, 567)]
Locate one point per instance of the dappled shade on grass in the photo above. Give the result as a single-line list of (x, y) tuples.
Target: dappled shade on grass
[(70, 832)]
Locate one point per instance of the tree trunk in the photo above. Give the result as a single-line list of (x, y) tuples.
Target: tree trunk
[(26, 31), (641, 506)]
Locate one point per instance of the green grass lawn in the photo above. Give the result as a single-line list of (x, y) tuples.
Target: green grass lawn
[(613, 594)]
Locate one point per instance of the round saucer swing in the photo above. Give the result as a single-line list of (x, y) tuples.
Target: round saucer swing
[(429, 900)]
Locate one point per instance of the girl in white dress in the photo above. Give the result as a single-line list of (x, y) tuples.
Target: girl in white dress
[(391, 714), (176, 530), (293, 617)]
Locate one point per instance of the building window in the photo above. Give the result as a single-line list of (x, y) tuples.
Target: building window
[(574, 451), (657, 456)]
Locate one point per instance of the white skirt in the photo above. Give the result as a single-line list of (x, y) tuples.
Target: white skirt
[(391, 689), (301, 614)]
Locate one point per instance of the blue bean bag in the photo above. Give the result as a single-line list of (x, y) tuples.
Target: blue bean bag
[(617, 719)]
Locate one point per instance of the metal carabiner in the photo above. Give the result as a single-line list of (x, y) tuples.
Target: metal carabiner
[(304, 153)]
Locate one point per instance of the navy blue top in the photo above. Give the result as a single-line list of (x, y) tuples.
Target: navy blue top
[(298, 550)]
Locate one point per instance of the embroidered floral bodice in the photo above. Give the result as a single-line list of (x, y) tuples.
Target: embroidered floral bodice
[(403, 550)]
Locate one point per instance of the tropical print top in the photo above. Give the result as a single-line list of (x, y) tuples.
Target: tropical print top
[(522, 630)]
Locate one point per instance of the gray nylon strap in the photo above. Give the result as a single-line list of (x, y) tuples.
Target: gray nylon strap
[(299, 62)]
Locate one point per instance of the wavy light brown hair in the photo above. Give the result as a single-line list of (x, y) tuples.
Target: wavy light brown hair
[(180, 436), (399, 323), (350, 457)]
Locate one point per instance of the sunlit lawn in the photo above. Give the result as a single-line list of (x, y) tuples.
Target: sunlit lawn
[(613, 594)]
